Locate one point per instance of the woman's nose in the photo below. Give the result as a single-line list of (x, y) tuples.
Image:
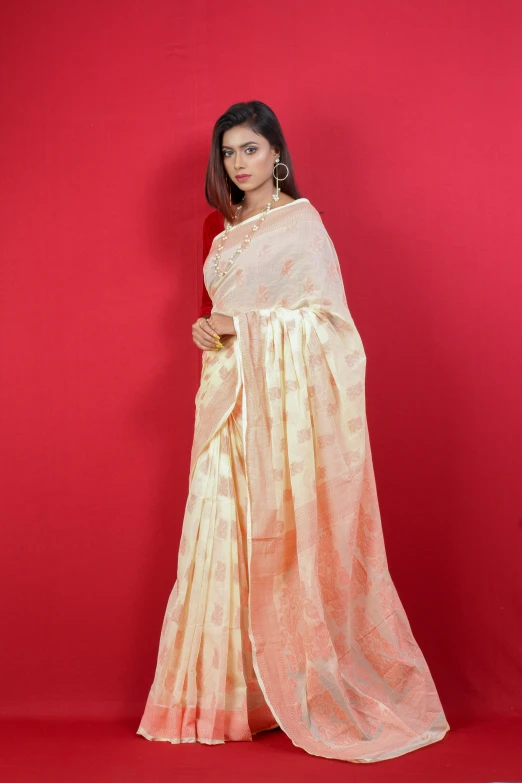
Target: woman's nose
[(238, 162)]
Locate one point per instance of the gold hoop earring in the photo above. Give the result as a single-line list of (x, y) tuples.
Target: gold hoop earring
[(279, 179)]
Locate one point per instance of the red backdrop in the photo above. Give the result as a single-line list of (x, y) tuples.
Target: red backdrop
[(404, 121)]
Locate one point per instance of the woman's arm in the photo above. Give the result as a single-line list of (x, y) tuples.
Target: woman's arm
[(211, 227)]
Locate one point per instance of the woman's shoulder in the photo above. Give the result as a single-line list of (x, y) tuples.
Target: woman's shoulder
[(307, 211)]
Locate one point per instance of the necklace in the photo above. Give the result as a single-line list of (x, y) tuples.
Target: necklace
[(246, 240)]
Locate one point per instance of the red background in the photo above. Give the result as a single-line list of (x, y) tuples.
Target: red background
[(404, 122)]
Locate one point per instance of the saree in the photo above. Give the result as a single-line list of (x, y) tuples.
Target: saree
[(284, 612)]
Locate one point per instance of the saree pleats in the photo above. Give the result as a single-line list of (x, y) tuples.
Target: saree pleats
[(205, 689)]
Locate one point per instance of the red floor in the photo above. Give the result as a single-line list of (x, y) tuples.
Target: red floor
[(105, 752)]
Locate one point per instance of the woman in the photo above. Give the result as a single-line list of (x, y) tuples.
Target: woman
[(284, 612)]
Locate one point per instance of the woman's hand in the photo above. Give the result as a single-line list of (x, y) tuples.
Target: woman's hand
[(206, 332), (222, 324)]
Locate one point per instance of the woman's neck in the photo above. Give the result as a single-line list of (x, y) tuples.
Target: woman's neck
[(257, 200)]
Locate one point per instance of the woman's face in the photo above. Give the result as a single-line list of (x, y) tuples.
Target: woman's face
[(244, 152)]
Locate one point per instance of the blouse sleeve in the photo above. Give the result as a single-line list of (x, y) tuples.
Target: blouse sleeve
[(211, 227)]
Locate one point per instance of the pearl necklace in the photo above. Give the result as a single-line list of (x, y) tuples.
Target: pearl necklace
[(246, 240)]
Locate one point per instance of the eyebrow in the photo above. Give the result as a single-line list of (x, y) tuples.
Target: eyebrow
[(246, 144)]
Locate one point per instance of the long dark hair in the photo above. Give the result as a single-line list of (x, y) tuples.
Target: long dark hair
[(263, 121)]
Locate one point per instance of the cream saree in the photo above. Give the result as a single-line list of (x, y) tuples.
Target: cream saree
[(284, 612)]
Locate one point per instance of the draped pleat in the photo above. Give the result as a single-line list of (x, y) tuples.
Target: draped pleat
[(205, 688)]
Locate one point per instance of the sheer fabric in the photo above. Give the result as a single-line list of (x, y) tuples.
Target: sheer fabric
[(325, 642)]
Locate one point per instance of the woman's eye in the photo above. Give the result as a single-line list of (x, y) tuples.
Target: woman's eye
[(226, 155)]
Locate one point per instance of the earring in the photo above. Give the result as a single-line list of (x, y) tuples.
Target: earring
[(278, 179)]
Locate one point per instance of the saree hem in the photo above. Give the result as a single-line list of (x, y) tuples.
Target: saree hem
[(180, 724), (201, 740), (339, 752)]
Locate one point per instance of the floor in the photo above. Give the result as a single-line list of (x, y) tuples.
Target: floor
[(53, 751)]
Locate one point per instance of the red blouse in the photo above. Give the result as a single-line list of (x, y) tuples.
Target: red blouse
[(212, 226)]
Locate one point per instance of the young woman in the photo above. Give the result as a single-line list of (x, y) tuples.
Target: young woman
[(284, 612)]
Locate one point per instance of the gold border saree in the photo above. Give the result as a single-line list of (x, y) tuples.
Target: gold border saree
[(334, 657)]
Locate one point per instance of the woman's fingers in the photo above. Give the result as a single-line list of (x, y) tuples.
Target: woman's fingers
[(202, 335), (205, 342), (208, 329), (211, 338)]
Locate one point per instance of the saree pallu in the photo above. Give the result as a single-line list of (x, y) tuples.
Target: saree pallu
[(284, 611)]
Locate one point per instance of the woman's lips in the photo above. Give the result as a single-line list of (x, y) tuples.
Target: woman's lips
[(242, 176)]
